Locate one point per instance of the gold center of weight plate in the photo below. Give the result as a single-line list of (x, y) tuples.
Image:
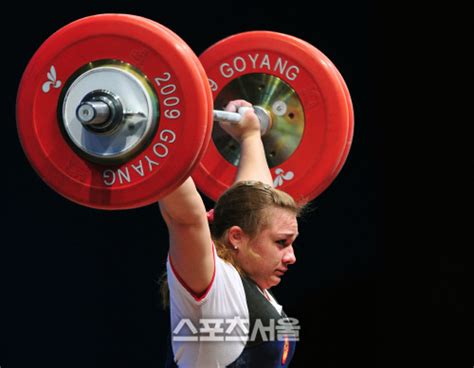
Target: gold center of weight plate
[(284, 106)]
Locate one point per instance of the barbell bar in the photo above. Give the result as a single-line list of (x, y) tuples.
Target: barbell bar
[(99, 114)]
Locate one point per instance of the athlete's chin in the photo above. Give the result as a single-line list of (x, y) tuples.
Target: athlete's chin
[(268, 282), (275, 280)]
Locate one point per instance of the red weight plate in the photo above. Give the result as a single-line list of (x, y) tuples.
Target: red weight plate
[(319, 155), (182, 134)]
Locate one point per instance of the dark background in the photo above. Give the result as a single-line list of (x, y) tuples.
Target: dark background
[(79, 286)]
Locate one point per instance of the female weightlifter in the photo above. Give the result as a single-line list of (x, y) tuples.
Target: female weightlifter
[(222, 264)]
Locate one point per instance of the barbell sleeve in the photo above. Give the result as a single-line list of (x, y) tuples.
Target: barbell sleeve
[(93, 112)]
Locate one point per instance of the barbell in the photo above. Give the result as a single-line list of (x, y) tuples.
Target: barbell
[(115, 111)]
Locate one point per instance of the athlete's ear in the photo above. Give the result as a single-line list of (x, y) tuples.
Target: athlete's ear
[(236, 237)]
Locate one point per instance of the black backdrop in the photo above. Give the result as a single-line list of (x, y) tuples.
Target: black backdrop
[(79, 286)]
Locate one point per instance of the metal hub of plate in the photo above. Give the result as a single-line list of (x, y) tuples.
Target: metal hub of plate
[(276, 97), (132, 110)]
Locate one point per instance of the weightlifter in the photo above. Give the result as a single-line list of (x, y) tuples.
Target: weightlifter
[(222, 264), (114, 111)]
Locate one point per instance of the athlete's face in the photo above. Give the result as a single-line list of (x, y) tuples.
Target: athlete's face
[(266, 257)]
